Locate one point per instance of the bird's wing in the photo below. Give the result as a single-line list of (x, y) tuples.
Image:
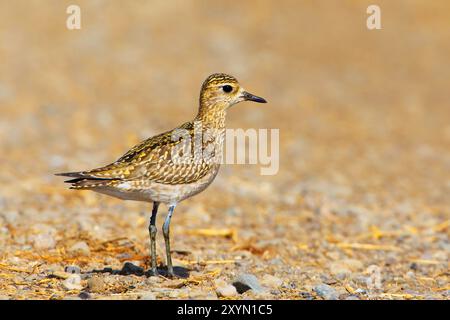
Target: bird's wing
[(149, 160)]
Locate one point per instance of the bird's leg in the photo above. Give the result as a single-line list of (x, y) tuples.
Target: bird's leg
[(166, 227), (152, 231)]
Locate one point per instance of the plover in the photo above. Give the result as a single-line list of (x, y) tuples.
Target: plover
[(152, 171)]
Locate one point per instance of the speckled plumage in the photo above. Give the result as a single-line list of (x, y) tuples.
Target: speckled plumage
[(148, 161), (150, 164), (174, 165)]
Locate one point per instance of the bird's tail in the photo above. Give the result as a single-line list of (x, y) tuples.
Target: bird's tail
[(81, 180)]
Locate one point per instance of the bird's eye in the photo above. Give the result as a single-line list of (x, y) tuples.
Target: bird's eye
[(227, 88)]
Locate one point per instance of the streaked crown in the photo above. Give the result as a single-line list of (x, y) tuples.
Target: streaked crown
[(217, 79)]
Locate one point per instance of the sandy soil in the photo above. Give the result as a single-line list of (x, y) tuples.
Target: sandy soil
[(360, 206)]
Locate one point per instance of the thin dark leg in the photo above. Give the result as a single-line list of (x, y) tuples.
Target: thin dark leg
[(152, 231), (166, 231)]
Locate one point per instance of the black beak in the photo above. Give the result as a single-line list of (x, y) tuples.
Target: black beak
[(250, 97)]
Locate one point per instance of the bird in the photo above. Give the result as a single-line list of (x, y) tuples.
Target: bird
[(174, 165)]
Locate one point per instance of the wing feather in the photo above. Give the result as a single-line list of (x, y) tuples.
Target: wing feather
[(149, 160)]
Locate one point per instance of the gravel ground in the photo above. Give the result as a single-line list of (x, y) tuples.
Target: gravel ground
[(358, 210)]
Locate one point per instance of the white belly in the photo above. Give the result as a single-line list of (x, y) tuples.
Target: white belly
[(159, 192)]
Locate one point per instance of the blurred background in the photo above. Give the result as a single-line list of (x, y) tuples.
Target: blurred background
[(364, 175)]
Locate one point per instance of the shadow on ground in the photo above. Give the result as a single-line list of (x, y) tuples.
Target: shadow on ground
[(131, 269)]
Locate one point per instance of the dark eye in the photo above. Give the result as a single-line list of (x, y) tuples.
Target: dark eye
[(227, 88)]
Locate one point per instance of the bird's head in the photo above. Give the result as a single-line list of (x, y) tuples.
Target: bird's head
[(221, 91)]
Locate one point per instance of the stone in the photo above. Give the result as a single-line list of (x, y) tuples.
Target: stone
[(72, 269), (96, 284), (247, 281), (73, 282), (306, 295), (271, 281), (226, 291), (84, 295), (147, 296), (327, 292), (44, 241), (80, 248)]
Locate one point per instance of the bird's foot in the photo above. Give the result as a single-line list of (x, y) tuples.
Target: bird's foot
[(154, 273), (163, 272), (171, 274)]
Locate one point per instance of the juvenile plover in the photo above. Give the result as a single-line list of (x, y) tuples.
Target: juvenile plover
[(162, 169)]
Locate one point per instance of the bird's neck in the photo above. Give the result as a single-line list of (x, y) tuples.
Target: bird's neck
[(211, 115)]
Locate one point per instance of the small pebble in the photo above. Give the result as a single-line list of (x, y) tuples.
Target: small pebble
[(44, 241), (271, 281), (247, 282), (80, 248), (72, 269), (96, 284), (84, 295), (73, 282), (306, 295), (327, 292), (227, 291), (148, 296)]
